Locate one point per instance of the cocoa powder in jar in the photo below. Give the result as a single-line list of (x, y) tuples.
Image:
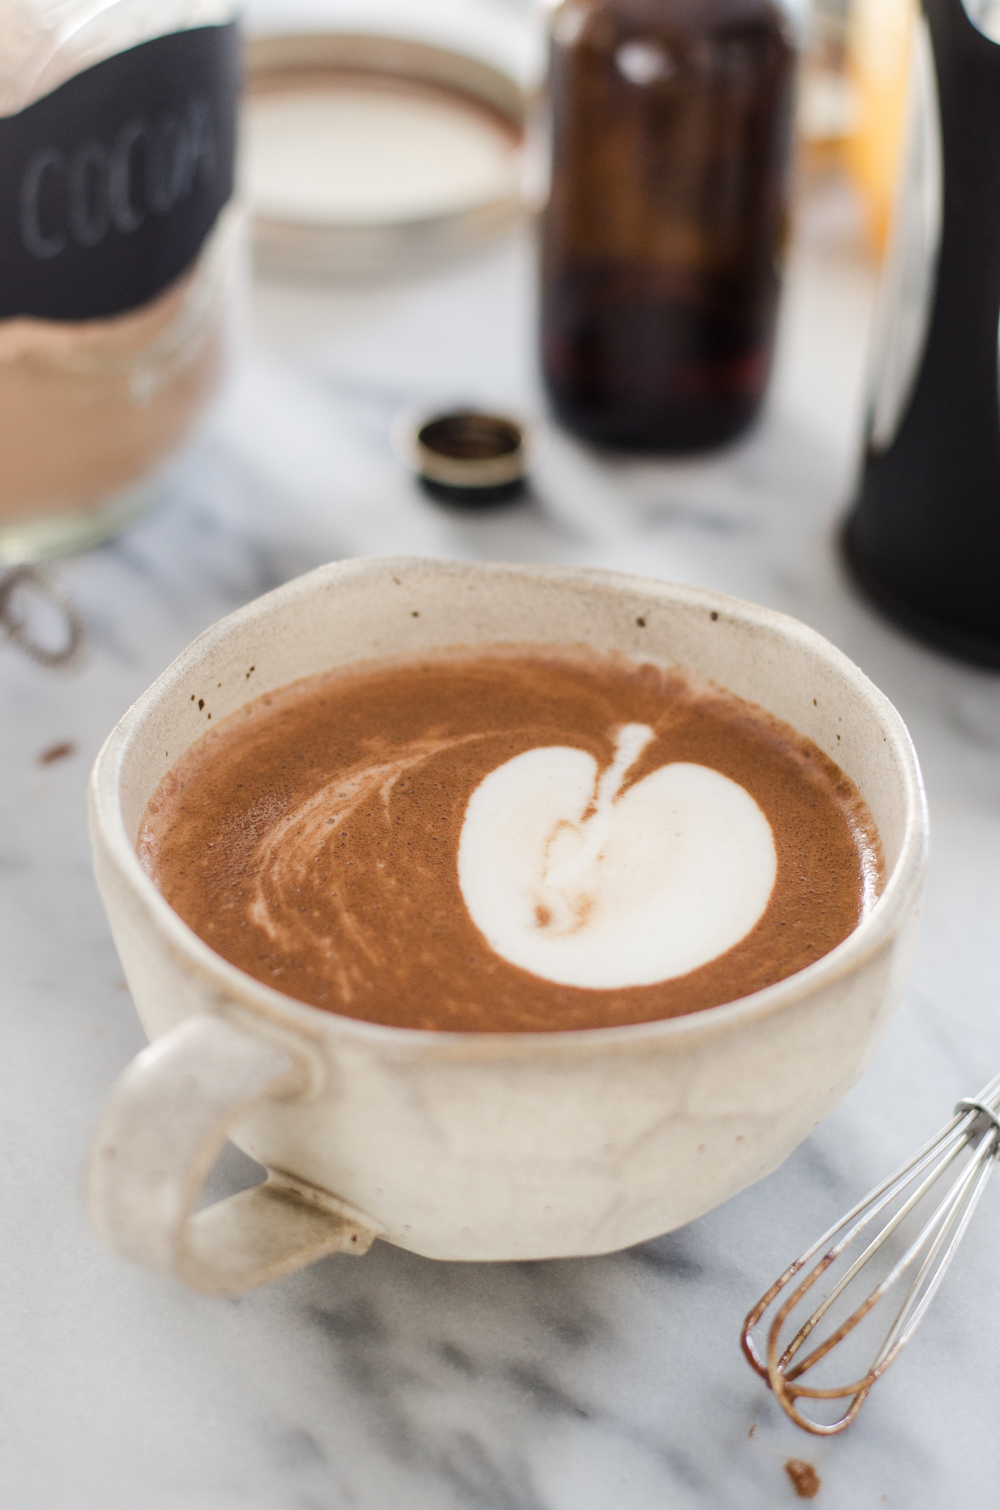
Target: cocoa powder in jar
[(89, 407)]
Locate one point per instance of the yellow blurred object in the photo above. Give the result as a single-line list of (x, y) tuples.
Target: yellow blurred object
[(827, 109), (827, 117), (879, 45)]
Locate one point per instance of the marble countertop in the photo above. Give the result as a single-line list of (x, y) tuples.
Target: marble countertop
[(396, 1381)]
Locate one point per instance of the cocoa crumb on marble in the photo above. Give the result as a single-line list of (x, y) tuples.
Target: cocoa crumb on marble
[(805, 1479), (57, 752)]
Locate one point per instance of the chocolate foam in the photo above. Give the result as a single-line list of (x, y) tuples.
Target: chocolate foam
[(312, 839)]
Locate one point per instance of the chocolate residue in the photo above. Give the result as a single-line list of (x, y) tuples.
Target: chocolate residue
[(312, 838), (805, 1479)]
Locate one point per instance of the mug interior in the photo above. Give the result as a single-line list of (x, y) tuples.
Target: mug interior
[(371, 609)]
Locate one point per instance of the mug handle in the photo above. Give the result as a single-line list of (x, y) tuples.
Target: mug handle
[(158, 1137)]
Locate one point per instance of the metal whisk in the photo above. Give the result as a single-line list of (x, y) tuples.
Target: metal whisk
[(966, 1149)]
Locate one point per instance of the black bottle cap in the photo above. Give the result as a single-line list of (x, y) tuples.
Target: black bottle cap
[(465, 456)]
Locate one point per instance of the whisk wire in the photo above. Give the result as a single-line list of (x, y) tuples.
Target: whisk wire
[(877, 1199), (942, 1219), (859, 1263), (980, 1169)]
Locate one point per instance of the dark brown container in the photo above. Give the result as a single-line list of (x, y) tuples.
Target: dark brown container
[(672, 131)]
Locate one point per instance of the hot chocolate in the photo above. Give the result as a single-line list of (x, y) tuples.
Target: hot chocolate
[(512, 840)]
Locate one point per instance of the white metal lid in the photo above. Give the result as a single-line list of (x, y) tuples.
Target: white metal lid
[(364, 155)]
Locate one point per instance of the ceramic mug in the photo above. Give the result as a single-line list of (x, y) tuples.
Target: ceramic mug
[(472, 1145)]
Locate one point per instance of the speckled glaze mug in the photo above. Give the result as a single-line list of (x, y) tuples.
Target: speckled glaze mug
[(465, 1145)]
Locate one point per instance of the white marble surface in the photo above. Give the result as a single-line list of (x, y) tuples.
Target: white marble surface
[(600, 1384)]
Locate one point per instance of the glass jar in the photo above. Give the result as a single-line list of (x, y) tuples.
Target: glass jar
[(117, 129), (672, 134)]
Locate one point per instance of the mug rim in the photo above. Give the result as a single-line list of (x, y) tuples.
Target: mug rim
[(872, 933)]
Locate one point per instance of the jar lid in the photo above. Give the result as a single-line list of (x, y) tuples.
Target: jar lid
[(369, 155)]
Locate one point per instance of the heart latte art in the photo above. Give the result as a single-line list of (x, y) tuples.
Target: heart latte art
[(510, 840), (580, 881)]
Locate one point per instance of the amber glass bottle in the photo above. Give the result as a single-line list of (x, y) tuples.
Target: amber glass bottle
[(672, 129)]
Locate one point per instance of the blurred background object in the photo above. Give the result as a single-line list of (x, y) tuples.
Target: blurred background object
[(924, 538), (879, 44), (37, 615), (507, 34), (467, 457), (365, 154), (664, 231), (827, 103), (117, 124), (852, 102)]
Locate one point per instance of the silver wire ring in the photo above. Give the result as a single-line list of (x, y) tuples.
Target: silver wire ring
[(970, 1104), (16, 627)]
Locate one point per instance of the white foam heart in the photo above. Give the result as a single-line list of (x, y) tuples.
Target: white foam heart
[(585, 885)]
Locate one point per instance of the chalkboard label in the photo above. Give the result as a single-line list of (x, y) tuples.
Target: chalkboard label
[(110, 184)]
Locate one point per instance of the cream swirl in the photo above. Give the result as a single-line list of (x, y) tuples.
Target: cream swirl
[(304, 842), (583, 883)]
